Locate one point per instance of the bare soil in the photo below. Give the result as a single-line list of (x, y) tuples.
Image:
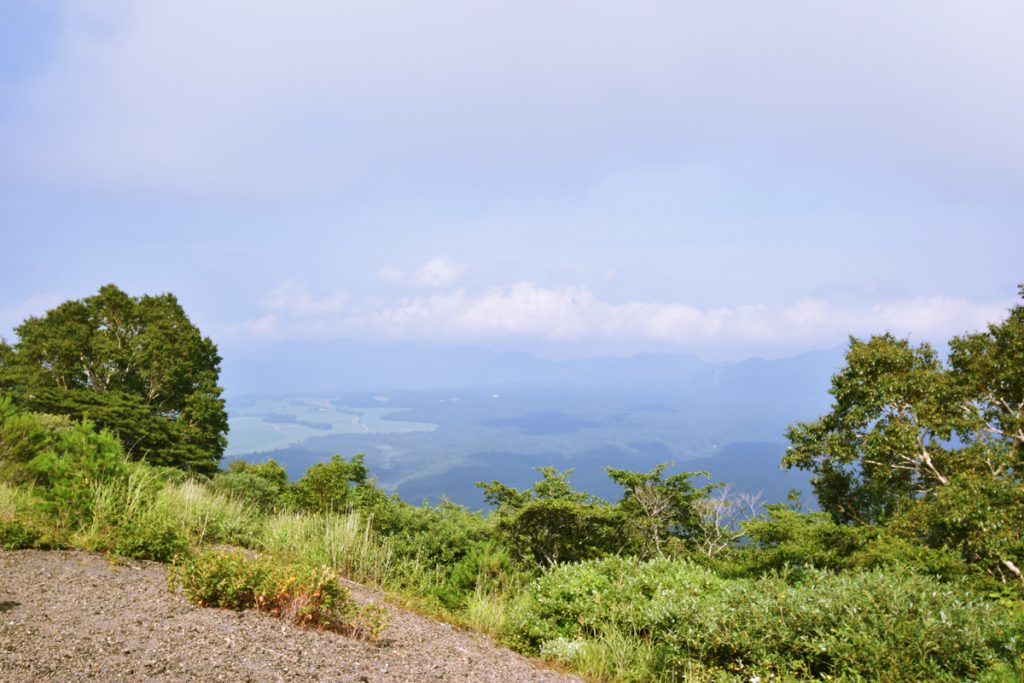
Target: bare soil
[(71, 615)]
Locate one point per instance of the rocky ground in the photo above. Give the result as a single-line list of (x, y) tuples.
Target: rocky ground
[(70, 615)]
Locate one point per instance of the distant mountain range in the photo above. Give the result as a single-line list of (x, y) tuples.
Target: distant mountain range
[(322, 367)]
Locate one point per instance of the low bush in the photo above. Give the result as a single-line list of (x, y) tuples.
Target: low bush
[(786, 538), (486, 567), (149, 539), (296, 593), (15, 535), (23, 436), (887, 624), (66, 475), (261, 485)]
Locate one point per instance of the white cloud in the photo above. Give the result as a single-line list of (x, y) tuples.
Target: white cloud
[(265, 327), (293, 299), (437, 272), (529, 311)]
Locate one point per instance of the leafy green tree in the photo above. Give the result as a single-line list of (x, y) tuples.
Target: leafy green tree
[(888, 437), (988, 368), (134, 365), (663, 512), (335, 486), (552, 522), (934, 449)]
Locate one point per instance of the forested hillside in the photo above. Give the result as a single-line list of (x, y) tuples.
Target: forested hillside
[(910, 571)]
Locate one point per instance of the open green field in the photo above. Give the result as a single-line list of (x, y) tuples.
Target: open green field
[(265, 425)]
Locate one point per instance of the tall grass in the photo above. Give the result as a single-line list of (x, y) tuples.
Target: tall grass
[(487, 611), (344, 542), (117, 503), (614, 654), (21, 524), (141, 515), (204, 516), (15, 501)]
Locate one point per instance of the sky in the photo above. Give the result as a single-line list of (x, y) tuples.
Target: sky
[(726, 178)]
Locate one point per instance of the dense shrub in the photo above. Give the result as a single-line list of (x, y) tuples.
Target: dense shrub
[(296, 593), (23, 436), (438, 535), (787, 538), (337, 485), (62, 460), (880, 625), (260, 485), (149, 539), (552, 522), (67, 474), (486, 567), (15, 535)]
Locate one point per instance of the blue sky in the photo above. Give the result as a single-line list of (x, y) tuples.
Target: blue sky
[(727, 178)]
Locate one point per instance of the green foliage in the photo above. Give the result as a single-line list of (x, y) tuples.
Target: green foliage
[(149, 539), (19, 524), (551, 522), (67, 474), (134, 365), (876, 625), (988, 367), (296, 593), (785, 538), (334, 486), (886, 440), (122, 520), (23, 436), (934, 450), (146, 515), (261, 485), (436, 536), (484, 568), (981, 517), (661, 511), (15, 535)]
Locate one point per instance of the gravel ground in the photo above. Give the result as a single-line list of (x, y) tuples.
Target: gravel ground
[(70, 615)]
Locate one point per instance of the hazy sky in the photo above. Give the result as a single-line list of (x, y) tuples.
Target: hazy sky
[(725, 177)]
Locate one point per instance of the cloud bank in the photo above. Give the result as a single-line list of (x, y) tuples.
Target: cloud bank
[(529, 311)]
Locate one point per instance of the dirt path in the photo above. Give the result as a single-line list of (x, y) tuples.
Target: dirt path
[(71, 615)]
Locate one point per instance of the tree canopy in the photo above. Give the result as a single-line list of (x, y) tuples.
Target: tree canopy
[(134, 365), (934, 449)]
